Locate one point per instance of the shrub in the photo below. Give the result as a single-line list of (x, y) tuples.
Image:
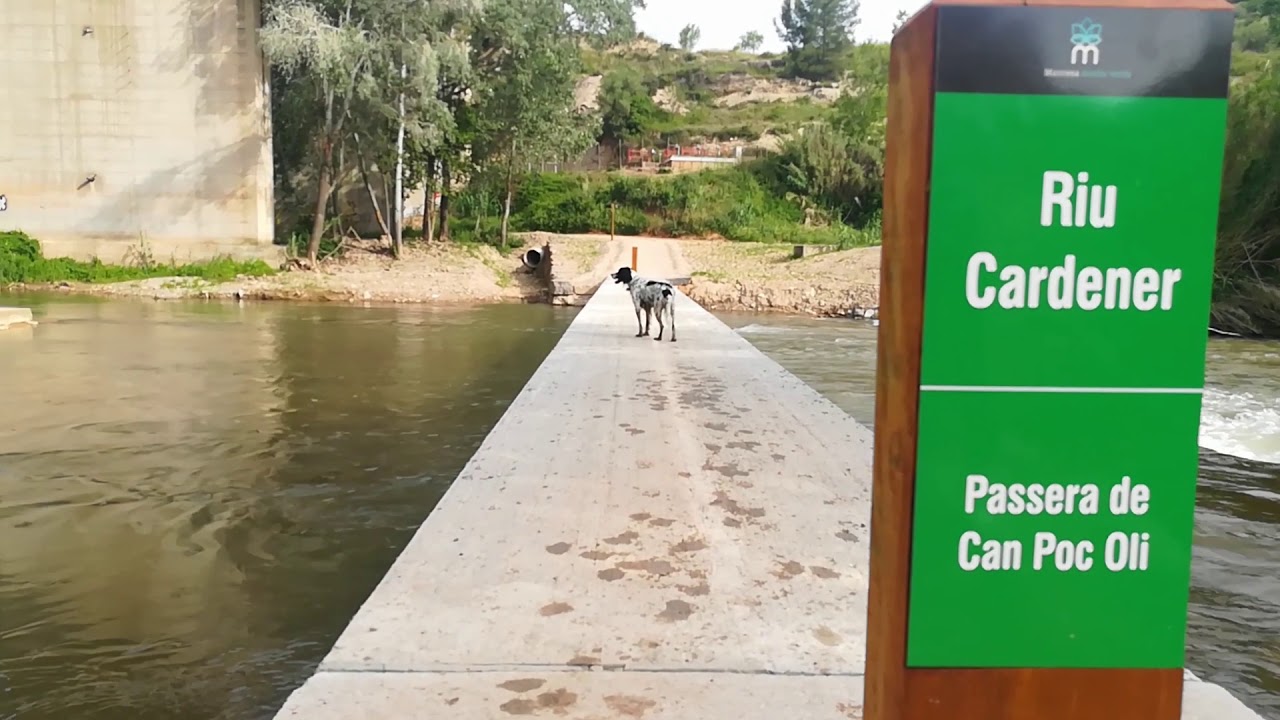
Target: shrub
[(21, 261)]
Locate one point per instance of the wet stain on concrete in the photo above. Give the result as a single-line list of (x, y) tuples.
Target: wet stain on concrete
[(850, 711), (557, 701), (748, 445), (452, 701), (685, 474), (649, 644), (718, 427), (662, 522), (732, 522), (729, 470), (555, 608), (652, 566), (559, 548), (629, 705), (847, 536), (523, 685), (824, 573), (827, 636), (596, 555), (635, 431), (702, 588), (519, 706), (778, 457), (676, 611), (732, 507), (745, 432), (788, 570), (625, 538), (688, 545), (611, 574), (643, 464), (584, 661), (641, 517), (713, 447)]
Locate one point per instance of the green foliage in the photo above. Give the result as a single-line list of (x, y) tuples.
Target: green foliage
[(689, 37), (750, 42), (818, 33), (834, 167), (735, 203), (21, 261), (627, 110)]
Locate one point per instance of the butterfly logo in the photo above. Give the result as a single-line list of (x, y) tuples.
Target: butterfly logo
[(1086, 35), (1086, 32)]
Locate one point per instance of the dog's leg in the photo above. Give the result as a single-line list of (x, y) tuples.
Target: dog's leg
[(671, 308), (639, 326), (648, 312), (658, 310)]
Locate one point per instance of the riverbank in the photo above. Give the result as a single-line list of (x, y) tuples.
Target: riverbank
[(725, 276)]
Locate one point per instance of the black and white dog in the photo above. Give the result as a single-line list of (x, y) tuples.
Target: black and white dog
[(651, 296)]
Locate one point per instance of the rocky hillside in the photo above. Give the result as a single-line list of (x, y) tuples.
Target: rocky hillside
[(713, 95)]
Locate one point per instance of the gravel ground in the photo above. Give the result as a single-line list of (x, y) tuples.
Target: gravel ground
[(748, 276), (725, 275)]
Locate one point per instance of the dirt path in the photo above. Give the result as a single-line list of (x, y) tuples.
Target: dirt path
[(724, 275), (730, 275)]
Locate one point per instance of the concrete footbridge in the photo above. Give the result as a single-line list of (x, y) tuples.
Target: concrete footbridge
[(666, 531)]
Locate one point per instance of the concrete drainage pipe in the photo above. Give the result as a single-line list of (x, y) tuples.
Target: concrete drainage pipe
[(532, 259)]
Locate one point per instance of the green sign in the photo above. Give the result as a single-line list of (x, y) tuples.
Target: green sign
[(1077, 155)]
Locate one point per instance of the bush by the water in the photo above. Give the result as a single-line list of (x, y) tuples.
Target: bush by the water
[(735, 203), (21, 261)]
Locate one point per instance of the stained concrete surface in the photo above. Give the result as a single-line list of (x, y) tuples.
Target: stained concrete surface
[(657, 530), (13, 316)]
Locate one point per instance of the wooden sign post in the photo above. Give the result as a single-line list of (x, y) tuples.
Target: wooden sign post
[(1051, 203)]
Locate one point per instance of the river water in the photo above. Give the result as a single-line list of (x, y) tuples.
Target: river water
[(1234, 621), (195, 498)]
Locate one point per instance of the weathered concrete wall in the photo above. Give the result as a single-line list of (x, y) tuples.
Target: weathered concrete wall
[(136, 124)]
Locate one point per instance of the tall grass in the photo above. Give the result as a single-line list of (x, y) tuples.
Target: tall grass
[(22, 261), (1247, 265), (735, 203)]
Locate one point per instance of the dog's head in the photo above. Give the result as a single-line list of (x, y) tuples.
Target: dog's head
[(622, 276)]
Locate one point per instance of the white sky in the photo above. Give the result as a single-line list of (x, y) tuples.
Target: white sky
[(724, 21)]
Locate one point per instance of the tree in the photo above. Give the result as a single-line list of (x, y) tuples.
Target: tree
[(325, 48), (837, 164), (462, 83), (525, 108), (750, 42), (603, 22), (899, 19), (627, 109), (414, 46), (818, 33), (689, 36)]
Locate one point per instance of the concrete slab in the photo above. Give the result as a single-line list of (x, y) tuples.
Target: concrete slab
[(1206, 701), (11, 316), (658, 530), (574, 696), (658, 506)]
